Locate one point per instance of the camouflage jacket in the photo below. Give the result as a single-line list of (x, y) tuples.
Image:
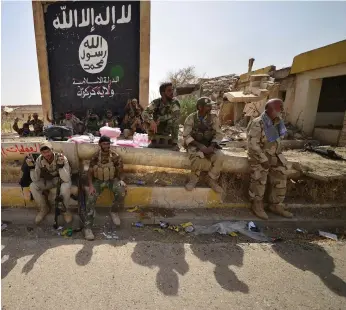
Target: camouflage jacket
[(105, 157), (205, 130), (163, 112), (259, 148), (38, 126)]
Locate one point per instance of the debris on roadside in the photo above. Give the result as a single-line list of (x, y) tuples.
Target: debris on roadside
[(3, 226), (328, 235), (135, 209), (111, 235), (138, 224), (301, 231), (67, 232)]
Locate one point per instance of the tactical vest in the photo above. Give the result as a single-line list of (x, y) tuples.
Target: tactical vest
[(104, 172), (92, 125), (49, 172), (202, 130)]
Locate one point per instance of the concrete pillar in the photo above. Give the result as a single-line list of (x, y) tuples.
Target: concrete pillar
[(238, 110)]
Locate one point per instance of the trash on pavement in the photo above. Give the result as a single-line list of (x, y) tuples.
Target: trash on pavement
[(135, 209), (233, 234), (163, 224), (188, 227), (252, 227), (173, 227), (328, 235), (139, 182), (67, 232), (138, 224), (3, 226), (301, 231), (159, 230), (110, 235), (226, 227)]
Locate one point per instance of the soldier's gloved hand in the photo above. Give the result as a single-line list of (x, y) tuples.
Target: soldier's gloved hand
[(60, 161), (265, 165), (30, 162)]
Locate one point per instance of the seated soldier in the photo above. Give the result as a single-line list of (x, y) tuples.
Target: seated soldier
[(72, 122), (202, 135), (24, 131), (37, 124), (161, 119), (133, 118), (105, 171), (109, 119), (45, 173), (92, 123)]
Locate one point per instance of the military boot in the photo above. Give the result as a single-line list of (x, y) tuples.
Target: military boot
[(192, 182), (258, 210), (88, 234), (115, 218), (279, 210), (68, 217), (214, 186), (41, 214)]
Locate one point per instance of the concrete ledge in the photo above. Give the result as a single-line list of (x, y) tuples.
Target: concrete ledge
[(12, 195)]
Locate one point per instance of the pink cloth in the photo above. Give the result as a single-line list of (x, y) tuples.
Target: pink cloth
[(110, 132)]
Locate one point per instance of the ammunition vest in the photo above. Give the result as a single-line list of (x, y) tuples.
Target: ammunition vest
[(104, 172), (49, 171), (202, 130), (162, 111)]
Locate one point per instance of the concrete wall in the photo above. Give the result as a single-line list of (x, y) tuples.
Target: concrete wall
[(307, 92), (329, 118), (327, 136)]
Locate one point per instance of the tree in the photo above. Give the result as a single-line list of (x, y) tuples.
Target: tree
[(183, 76)]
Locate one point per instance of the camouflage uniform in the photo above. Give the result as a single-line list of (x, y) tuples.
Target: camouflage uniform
[(132, 118), (106, 172), (74, 123), (38, 126), (205, 131), (112, 122), (92, 126), (260, 150), (168, 116)]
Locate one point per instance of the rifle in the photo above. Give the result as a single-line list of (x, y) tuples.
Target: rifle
[(81, 198), (323, 152), (59, 205)]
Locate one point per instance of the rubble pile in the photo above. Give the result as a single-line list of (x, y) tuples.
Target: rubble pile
[(215, 87)]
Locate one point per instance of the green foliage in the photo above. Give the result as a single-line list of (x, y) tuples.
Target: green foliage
[(187, 106)]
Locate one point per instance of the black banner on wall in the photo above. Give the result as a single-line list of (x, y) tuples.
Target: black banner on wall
[(93, 55)]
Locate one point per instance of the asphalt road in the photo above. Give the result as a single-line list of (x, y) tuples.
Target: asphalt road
[(213, 273)]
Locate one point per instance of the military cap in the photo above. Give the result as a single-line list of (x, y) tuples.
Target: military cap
[(204, 101)]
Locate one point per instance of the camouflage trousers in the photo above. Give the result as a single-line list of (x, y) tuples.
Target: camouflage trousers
[(275, 176), (200, 162), (168, 129), (118, 191)]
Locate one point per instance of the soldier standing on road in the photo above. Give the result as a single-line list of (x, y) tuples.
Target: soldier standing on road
[(44, 173), (161, 117), (37, 124), (266, 160), (105, 171), (202, 135)]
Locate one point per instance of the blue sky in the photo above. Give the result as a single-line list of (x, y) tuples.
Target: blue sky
[(217, 38)]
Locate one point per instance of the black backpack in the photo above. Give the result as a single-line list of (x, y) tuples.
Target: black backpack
[(58, 133)]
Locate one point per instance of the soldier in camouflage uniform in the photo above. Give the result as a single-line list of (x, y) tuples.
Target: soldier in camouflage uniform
[(92, 123), (133, 118), (105, 171), (37, 124), (266, 160), (109, 119), (161, 118), (202, 135)]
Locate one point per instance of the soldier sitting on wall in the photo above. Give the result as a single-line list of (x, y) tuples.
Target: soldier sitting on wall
[(133, 118), (161, 119), (92, 123), (24, 131), (73, 122), (37, 124), (109, 119)]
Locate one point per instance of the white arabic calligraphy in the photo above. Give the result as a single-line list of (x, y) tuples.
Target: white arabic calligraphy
[(88, 18), (100, 80), (90, 91)]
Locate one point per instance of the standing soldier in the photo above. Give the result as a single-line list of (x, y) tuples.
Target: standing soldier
[(109, 119), (161, 117), (266, 160), (202, 135), (105, 171), (37, 124), (45, 173)]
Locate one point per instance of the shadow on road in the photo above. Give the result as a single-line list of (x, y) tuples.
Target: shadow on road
[(312, 257), (169, 258), (223, 257)]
